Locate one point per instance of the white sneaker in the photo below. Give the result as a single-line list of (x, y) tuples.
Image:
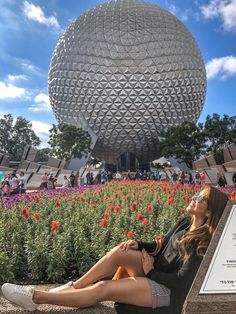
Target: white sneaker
[(20, 295), (63, 287)]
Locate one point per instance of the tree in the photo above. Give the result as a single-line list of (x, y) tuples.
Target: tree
[(44, 154), (68, 141), (186, 142), (15, 136), (218, 132)]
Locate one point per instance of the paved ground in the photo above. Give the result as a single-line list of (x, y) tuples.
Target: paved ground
[(102, 308)]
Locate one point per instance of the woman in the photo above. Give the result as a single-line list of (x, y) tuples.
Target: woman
[(182, 177), (155, 281), (222, 181)]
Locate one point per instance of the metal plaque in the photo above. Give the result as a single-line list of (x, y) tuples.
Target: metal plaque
[(221, 275)]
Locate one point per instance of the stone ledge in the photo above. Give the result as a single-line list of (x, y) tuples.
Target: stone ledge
[(101, 308)]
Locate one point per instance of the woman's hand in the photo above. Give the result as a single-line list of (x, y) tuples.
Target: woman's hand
[(147, 261), (129, 245)]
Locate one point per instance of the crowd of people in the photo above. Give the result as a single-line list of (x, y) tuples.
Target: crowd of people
[(181, 176), (13, 183), (48, 181)]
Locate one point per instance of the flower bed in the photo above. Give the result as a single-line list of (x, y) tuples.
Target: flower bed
[(50, 236)]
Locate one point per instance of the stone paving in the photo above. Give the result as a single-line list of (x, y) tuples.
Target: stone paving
[(101, 308)]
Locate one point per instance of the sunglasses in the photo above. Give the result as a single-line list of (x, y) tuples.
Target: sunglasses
[(199, 198)]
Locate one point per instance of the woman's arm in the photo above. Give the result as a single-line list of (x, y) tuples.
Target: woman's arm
[(184, 275), (154, 247)]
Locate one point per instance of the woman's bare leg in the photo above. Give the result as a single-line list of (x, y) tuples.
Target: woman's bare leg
[(131, 260), (134, 291)]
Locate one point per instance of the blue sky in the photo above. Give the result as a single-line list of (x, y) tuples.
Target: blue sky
[(29, 32)]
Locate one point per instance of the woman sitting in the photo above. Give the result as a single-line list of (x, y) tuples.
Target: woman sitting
[(160, 274)]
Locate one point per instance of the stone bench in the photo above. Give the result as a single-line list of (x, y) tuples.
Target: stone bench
[(101, 308)]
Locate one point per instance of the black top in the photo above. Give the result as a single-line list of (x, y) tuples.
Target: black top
[(169, 269)]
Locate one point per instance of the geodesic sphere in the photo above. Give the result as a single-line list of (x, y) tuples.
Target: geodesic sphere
[(126, 70)]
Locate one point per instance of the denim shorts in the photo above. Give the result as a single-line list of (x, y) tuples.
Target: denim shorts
[(160, 294)]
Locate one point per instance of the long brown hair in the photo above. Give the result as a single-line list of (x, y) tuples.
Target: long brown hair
[(197, 240)]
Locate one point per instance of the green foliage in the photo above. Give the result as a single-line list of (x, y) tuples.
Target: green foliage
[(218, 132), (14, 136), (68, 141), (30, 250), (185, 142), (44, 154), (188, 142)]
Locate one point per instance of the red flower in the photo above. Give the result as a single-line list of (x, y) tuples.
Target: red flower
[(111, 207), (54, 225), (107, 199), (25, 212), (140, 200), (157, 238), (127, 197), (130, 234), (106, 215), (182, 210), (149, 208), (36, 216), (101, 200), (57, 203), (133, 207), (37, 199), (145, 222), (117, 208), (139, 216), (104, 223), (91, 203), (81, 199), (170, 201), (115, 195), (157, 201)]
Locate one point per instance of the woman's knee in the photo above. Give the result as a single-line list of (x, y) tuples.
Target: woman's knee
[(101, 290), (116, 253)]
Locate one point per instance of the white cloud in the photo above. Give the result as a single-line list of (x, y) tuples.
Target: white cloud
[(14, 78), (11, 91), (221, 67), (35, 13), (182, 15), (223, 9), (42, 131), (42, 103), (28, 66)]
